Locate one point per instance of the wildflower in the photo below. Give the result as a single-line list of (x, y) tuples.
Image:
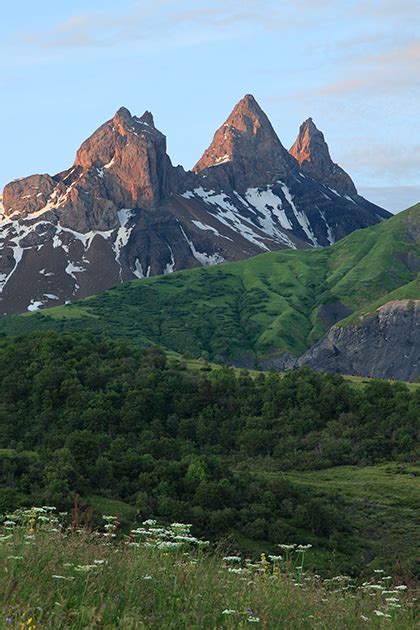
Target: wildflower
[(275, 558), (62, 577), (9, 523), (303, 547), (379, 613), (229, 611), (378, 571), (287, 547), (15, 557), (232, 559), (85, 568), (147, 577), (100, 561), (364, 618), (376, 587), (203, 543), (402, 587), (109, 518), (253, 619), (149, 522)]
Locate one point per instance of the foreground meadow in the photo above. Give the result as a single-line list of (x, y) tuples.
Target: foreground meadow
[(54, 574)]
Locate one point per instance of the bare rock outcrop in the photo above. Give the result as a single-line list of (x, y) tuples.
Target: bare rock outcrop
[(246, 150), (384, 344), (313, 155)]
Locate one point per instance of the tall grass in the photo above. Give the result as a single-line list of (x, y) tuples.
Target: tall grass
[(66, 578)]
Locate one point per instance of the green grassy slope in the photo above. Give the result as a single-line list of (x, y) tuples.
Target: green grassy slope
[(66, 581), (269, 304)]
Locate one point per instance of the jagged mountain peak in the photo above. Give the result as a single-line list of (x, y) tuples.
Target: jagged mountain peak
[(247, 148), (248, 106), (124, 120), (311, 151), (122, 114), (123, 164), (147, 119), (123, 211)]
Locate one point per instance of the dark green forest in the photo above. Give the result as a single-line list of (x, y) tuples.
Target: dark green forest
[(100, 418)]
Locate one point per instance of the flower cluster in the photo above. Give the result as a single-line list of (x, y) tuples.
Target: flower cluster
[(174, 537)]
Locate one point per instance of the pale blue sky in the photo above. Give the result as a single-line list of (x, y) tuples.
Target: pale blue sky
[(353, 65)]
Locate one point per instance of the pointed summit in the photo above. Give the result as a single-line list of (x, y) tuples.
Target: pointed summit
[(313, 155), (147, 119), (247, 147), (129, 155)]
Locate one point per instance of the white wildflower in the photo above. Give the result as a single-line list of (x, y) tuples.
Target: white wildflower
[(287, 547)]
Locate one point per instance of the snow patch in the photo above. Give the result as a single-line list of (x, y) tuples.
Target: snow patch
[(269, 205), (204, 226), (71, 269), (170, 267), (34, 305), (202, 257), (300, 216)]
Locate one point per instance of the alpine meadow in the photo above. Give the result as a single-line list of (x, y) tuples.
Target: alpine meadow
[(210, 373)]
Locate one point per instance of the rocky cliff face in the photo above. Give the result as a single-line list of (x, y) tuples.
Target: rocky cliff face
[(123, 211), (246, 151), (313, 155), (385, 344)]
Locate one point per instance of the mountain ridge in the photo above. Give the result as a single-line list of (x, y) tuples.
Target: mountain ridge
[(123, 211), (265, 311)]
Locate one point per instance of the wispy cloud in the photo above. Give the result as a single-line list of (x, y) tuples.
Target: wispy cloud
[(144, 20), (387, 71), (384, 162)]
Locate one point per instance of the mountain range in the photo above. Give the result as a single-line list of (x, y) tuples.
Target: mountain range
[(123, 211), (353, 307)]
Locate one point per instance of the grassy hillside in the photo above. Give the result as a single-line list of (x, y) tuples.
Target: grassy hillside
[(58, 575), (276, 302)]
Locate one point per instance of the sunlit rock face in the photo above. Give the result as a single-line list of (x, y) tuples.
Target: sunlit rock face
[(123, 211), (313, 155)]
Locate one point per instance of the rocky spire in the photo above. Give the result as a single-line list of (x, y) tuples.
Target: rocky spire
[(134, 152), (312, 153), (246, 148)]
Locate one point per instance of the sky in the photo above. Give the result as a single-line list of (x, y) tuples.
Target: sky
[(353, 65)]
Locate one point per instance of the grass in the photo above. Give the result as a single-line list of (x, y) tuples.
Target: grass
[(384, 501), (381, 505), (249, 310), (57, 579)]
